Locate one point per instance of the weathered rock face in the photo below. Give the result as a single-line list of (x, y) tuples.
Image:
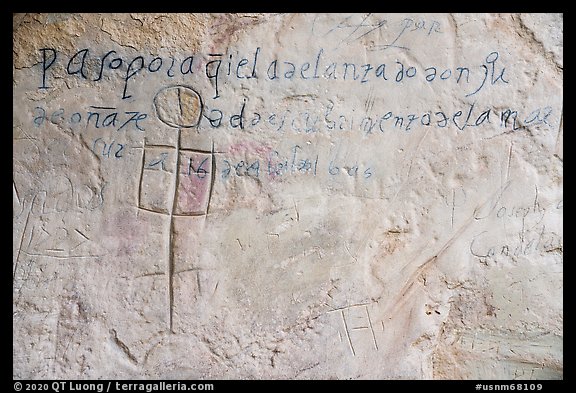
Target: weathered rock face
[(287, 196)]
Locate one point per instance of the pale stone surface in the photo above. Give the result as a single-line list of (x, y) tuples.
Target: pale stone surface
[(288, 196)]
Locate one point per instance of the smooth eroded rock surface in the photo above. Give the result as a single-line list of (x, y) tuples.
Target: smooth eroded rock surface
[(288, 196)]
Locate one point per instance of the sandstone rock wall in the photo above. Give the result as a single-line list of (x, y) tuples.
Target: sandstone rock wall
[(288, 196)]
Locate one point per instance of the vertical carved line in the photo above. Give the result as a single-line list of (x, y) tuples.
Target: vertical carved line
[(371, 328), (171, 238), (20, 246), (212, 177), (347, 333), (141, 172)]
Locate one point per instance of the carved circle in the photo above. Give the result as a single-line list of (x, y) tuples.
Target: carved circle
[(178, 106)]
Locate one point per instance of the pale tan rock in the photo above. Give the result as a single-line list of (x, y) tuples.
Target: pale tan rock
[(338, 196)]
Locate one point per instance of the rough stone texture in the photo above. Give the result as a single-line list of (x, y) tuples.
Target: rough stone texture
[(288, 196)]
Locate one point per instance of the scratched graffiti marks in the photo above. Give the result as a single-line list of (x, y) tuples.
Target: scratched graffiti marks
[(176, 181), (356, 325), (72, 329), (365, 148)]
